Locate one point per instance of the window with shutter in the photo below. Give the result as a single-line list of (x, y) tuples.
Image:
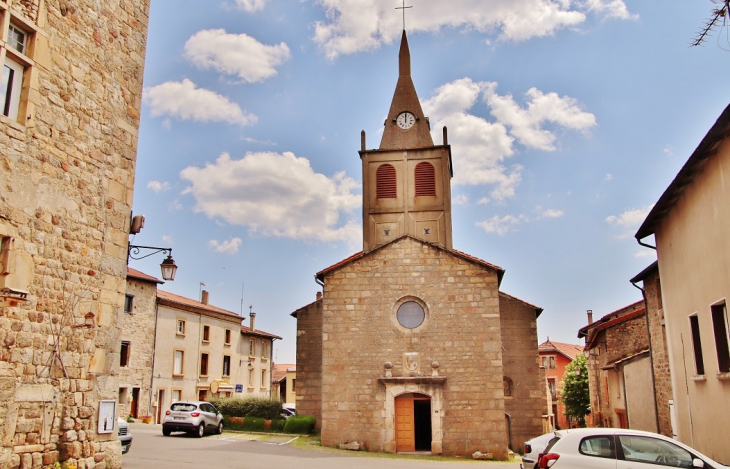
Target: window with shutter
[(425, 179), (385, 182)]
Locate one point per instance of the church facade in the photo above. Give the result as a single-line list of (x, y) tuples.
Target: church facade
[(411, 346)]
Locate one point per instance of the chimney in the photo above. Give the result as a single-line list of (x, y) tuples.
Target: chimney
[(252, 315), (204, 297), (319, 295), (590, 316)]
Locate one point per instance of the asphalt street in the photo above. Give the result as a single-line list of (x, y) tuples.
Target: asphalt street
[(241, 451)]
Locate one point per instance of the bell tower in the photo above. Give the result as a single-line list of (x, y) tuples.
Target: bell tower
[(407, 181)]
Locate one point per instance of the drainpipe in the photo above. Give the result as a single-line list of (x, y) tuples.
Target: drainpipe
[(651, 357), (509, 428), (646, 245), (154, 348)]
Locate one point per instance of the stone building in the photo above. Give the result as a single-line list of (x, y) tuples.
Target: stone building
[(661, 375), (137, 347), (554, 357), (690, 224), (202, 350), (69, 115), (619, 370), (412, 347)]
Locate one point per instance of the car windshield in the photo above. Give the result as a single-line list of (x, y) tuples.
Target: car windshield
[(183, 407)]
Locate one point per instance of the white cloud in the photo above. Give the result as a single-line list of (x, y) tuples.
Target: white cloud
[(235, 54), (631, 218), (483, 201), (461, 199), (174, 205), (360, 25), (502, 225), (251, 5), (485, 146), (277, 194), (167, 239), (549, 212), (227, 247), (608, 177), (644, 253), (158, 186), (668, 150), (183, 100)]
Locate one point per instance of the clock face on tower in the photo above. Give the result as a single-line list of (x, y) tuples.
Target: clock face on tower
[(405, 120)]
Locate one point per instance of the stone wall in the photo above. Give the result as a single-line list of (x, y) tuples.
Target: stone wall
[(309, 361), (520, 361), (138, 328), (659, 351), (66, 177), (461, 332)]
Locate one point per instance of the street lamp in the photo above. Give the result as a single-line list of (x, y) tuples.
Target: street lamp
[(168, 266)]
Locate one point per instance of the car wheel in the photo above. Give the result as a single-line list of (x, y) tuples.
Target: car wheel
[(166, 431), (219, 430), (201, 431)]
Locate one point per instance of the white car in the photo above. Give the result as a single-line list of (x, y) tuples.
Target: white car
[(195, 417), (618, 448), (532, 450)]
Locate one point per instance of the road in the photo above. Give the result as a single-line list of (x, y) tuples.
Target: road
[(242, 451)]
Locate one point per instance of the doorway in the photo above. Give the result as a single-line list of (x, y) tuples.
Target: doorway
[(160, 404), (413, 422), (133, 407)]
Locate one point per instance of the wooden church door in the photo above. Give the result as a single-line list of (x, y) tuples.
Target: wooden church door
[(412, 423)]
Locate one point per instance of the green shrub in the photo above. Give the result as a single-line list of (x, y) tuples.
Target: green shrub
[(253, 424), (302, 425), (253, 406), (277, 425)]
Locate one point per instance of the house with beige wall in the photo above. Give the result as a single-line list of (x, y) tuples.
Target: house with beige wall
[(554, 357), (70, 100), (137, 344), (690, 224), (284, 382), (203, 351)]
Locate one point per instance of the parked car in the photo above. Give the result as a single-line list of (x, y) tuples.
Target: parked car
[(288, 410), (124, 435), (194, 417), (619, 448), (532, 450)]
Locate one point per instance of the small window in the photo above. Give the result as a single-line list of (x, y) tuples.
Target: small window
[(264, 349), (252, 348), (203, 364), (293, 385), (694, 324), (598, 446), (17, 38), (250, 378), (10, 88), (228, 337), (553, 389), (544, 362), (177, 366), (180, 327), (206, 333), (425, 180), (123, 395), (177, 396), (226, 365), (720, 325), (507, 383), (124, 353), (552, 362), (128, 303), (263, 378), (385, 182), (5, 242)]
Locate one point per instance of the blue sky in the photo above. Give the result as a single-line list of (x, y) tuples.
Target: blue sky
[(567, 120)]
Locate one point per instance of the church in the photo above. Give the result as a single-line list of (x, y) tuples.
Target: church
[(411, 347)]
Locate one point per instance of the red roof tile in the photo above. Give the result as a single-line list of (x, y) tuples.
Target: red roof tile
[(259, 333), (136, 274), (569, 350), (279, 372), (176, 300)]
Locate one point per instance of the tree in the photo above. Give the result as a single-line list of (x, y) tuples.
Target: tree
[(720, 16), (574, 393)]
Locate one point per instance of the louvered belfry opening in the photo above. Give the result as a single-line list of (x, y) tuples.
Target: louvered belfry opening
[(425, 179), (385, 183)]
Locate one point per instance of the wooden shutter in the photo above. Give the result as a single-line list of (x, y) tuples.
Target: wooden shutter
[(385, 182), (425, 179)]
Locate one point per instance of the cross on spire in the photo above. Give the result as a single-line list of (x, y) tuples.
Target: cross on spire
[(404, 12)]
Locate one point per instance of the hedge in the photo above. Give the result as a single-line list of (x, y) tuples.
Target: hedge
[(253, 406), (302, 425)]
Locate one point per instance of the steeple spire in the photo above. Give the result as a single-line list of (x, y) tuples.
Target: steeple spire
[(414, 130)]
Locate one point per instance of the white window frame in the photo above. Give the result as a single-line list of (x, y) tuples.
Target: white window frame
[(24, 45), (11, 100), (180, 329), (252, 348), (178, 366), (263, 377)]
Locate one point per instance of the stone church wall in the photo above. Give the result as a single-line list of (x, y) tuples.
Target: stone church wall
[(521, 365), (67, 176), (309, 361), (461, 332)]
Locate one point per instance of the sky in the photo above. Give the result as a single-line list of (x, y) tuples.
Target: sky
[(567, 120)]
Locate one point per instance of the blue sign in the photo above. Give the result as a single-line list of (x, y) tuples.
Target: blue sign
[(239, 388)]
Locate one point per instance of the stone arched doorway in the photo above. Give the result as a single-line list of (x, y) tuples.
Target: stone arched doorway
[(413, 422)]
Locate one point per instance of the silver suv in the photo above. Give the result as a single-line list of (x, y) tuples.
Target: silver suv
[(195, 417)]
